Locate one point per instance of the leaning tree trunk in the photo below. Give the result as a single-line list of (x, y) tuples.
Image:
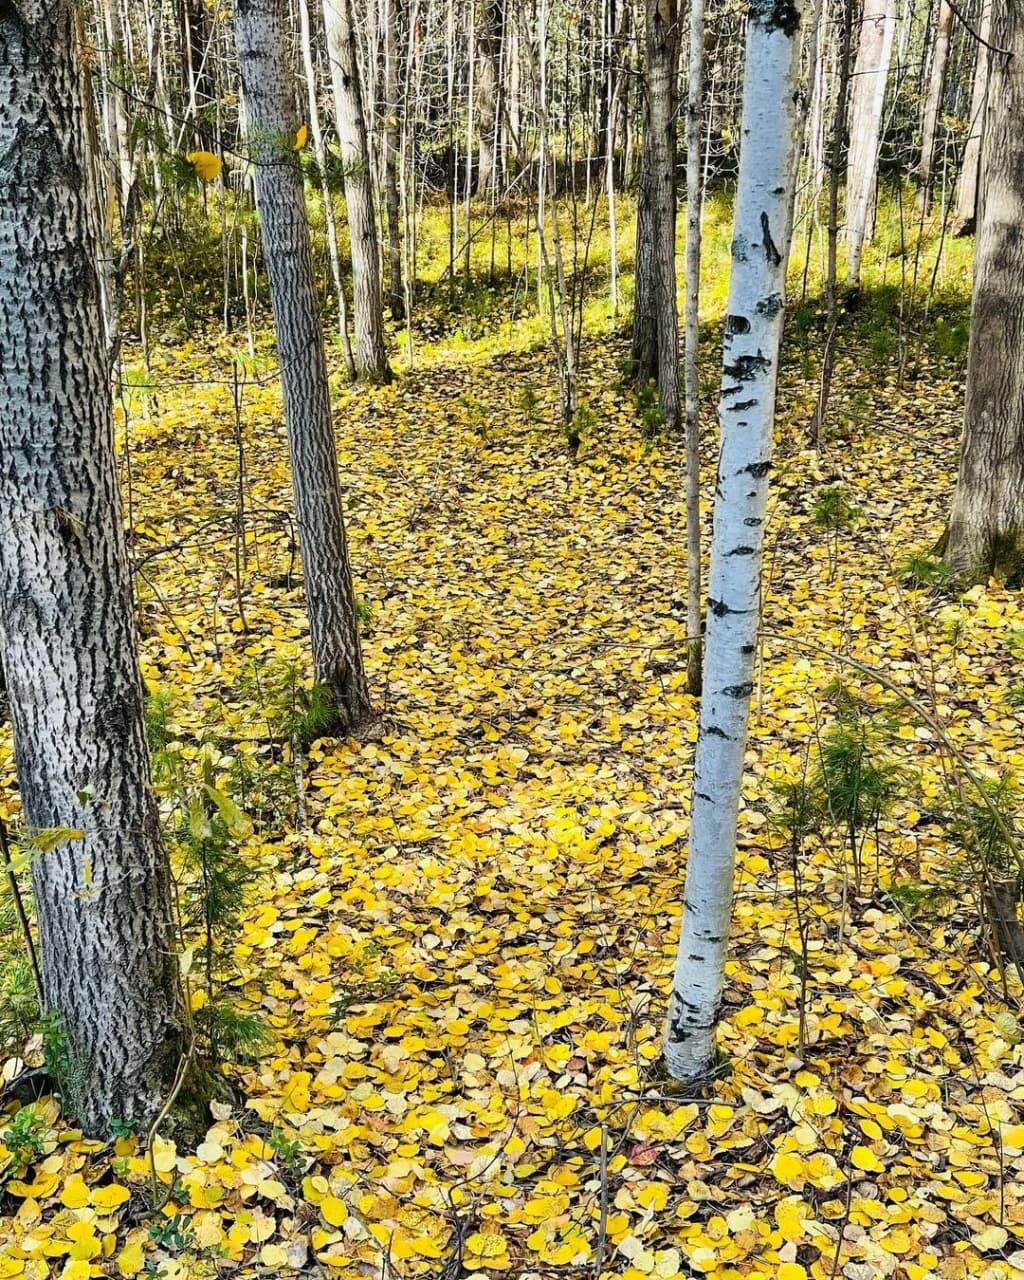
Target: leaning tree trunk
[(662, 40), (967, 190), (933, 104), (104, 901), (986, 527), (262, 33), (753, 333), (870, 74), (371, 357)]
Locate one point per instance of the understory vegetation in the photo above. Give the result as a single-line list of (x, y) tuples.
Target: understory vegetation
[(434, 964)]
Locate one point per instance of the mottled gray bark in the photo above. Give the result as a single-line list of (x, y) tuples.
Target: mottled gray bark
[(103, 900), (986, 528), (489, 41), (262, 29), (371, 356)]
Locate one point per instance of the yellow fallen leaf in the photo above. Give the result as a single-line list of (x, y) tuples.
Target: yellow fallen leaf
[(301, 134), (107, 1198), (131, 1259), (333, 1211), (864, 1158)]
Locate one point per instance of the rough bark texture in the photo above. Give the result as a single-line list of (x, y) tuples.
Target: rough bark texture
[(870, 75), (104, 901), (371, 357), (967, 191), (662, 67), (261, 29), (753, 333), (986, 528), (644, 357), (933, 103)]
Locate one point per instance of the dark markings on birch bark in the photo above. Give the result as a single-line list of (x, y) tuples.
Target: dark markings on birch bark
[(737, 324), (756, 469), (743, 690), (742, 551), (744, 368), (771, 252)]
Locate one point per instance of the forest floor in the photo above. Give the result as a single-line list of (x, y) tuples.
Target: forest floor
[(462, 935)]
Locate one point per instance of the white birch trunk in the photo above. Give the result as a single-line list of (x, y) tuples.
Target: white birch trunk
[(753, 332), (320, 152), (104, 901), (933, 104), (261, 29), (967, 191), (691, 339), (371, 356), (870, 76)]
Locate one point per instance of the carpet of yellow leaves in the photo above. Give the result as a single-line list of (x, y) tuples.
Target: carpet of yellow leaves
[(463, 956)]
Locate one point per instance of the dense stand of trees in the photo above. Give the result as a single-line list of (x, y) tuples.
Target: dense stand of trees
[(370, 108)]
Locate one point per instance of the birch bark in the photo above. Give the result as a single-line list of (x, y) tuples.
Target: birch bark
[(870, 75), (371, 356), (753, 333), (967, 191)]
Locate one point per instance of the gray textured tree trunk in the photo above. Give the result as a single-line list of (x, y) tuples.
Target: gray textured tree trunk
[(870, 75), (394, 24), (489, 41), (371, 356), (753, 333), (986, 528), (933, 104), (104, 900), (662, 40), (262, 33), (967, 191), (644, 356)]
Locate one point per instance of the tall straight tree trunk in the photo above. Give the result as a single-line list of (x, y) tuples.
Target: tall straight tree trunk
[(837, 142), (753, 334), (986, 527), (394, 24), (644, 356), (662, 40), (489, 42), (371, 357), (967, 190), (691, 381), (262, 33), (320, 152), (870, 75), (104, 903), (933, 104)]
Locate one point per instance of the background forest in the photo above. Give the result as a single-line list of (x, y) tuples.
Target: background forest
[(511, 522)]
